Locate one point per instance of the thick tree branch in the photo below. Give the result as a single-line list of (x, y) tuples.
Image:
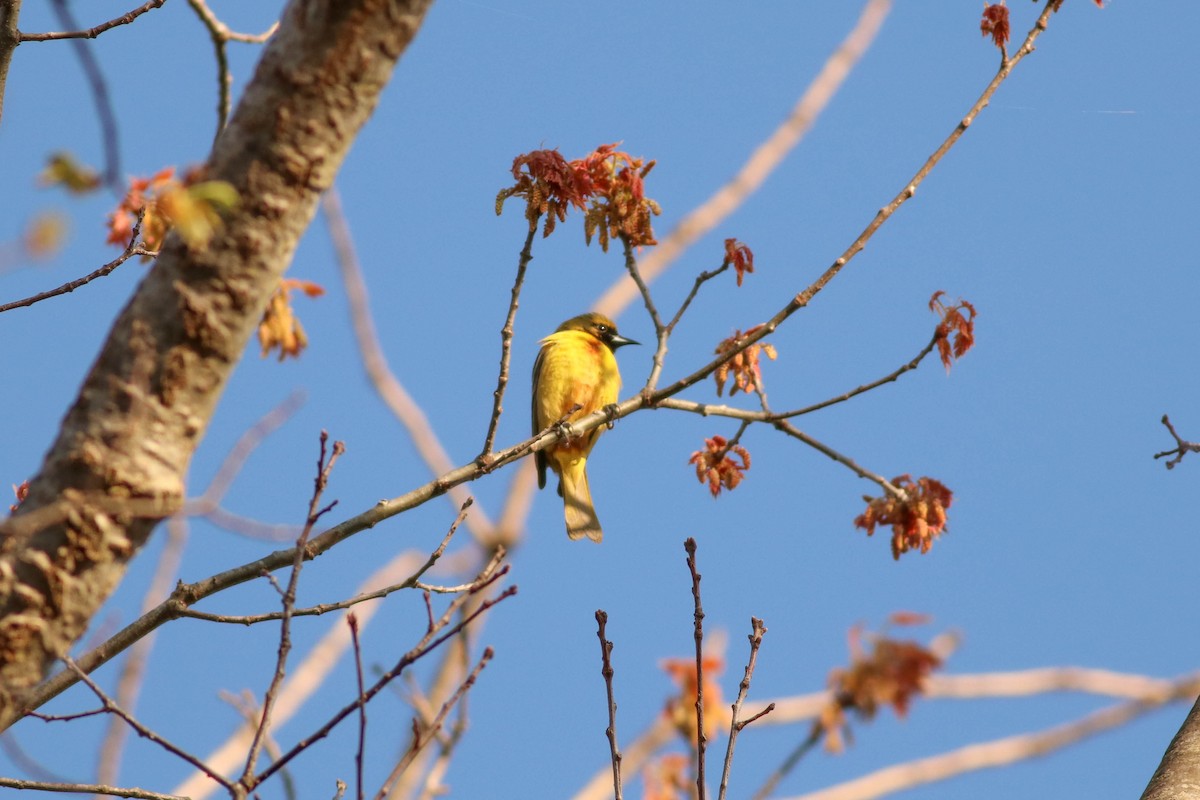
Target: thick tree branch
[(1178, 774), (10, 37), (153, 389)]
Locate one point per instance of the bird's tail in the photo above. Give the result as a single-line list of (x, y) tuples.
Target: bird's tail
[(577, 502)]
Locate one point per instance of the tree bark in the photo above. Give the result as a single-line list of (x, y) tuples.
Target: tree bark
[(1178, 774), (120, 459), (10, 12)]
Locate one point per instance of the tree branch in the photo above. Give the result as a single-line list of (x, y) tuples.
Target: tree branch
[(93, 32), (174, 347)]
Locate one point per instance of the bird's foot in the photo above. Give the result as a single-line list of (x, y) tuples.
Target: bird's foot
[(610, 415), (564, 430)]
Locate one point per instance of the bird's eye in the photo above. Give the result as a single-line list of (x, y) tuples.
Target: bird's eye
[(602, 328)]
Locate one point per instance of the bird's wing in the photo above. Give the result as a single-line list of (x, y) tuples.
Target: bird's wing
[(539, 458)]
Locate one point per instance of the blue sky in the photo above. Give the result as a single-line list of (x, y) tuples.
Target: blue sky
[(1066, 215)]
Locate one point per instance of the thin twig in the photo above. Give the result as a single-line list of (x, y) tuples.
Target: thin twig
[(131, 250), (386, 384), (506, 336), (133, 671), (141, 729), (94, 712), (1182, 447), (433, 785), (1023, 683), (762, 162), (661, 332), (411, 582), (325, 463), (736, 724), (419, 741), (352, 622), (846, 461), (104, 107), (606, 670), (996, 753), (428, 643), (789, 763), (866, 387), (221, 35), (92, 33), (698, 634), (245, 446), (248, 709), (701, 279), (706, 409), (312, 673), (87, 788)]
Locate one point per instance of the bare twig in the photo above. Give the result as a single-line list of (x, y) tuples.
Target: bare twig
[(104, 107), (133, 671), (1023, 683), (428, 643), (411, 582), (698, 634), (246, 444), (306, 678), (389, 388), (606, 670), (87, 788), (709, 409), (435, 727), (134, 248), (736, 724), (92, 33), (996, 753), (789, 763), (325, 463), (762, 162), (866, 387), (352, 623), (1182, 447), (221, 36), (506, 336), (248, 708), (845, 461), (142, 730)]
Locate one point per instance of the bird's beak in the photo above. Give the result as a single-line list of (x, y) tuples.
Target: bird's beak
[(620, 341)]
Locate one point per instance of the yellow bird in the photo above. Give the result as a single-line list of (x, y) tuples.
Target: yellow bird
[(575, 369)]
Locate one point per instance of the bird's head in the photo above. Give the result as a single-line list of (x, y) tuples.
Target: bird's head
[(599, 326)]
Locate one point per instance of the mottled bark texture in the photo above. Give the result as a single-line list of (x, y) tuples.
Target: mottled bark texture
[(1178, 775), (119, 462), (10, 11)]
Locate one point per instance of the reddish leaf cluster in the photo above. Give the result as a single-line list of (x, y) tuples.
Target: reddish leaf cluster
[(956, 330), (279, 327), (715, 466), (681, 708), (191, 206), (892, 673), (549, 185), (607, 183), (620, 208), (740, 257), (21, 493), (743, 366), (995, 23), (916, 520)]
